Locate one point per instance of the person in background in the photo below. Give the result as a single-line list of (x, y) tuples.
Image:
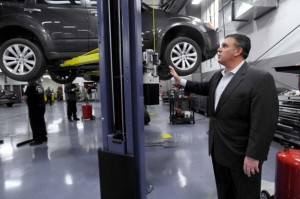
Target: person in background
[(89, 91), (243, 111), (34, 97), (71, 97), (48, 93)]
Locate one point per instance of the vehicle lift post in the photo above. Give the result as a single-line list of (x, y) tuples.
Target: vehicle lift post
[(122, 158)]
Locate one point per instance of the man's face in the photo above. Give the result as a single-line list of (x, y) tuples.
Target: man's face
[(228, 51)]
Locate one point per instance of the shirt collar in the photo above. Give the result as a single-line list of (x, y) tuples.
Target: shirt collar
[(235, 70)]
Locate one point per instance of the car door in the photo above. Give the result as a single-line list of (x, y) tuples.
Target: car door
[(64, 20), (91, 7), (147, 27)]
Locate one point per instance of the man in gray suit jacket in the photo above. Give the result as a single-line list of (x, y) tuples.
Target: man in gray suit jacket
[(243, 111)]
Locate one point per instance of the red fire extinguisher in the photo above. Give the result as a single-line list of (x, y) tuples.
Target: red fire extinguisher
[(287, 181)]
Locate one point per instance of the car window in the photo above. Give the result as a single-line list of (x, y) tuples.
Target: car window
[(61, 2), (20, 1)]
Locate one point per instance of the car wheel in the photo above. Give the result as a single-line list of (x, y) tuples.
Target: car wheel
[(9, 104), (184, 55), (63, 76), (265, 195), (22, 60), (163, 72)]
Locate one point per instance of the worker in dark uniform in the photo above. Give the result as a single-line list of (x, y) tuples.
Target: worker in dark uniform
[(34, 96), (49, 95), (71, 97)]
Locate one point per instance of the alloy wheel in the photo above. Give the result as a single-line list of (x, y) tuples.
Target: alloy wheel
[(184, 56), (19, 59)]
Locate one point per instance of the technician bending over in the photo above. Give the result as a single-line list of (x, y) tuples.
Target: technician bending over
[(243, 111)]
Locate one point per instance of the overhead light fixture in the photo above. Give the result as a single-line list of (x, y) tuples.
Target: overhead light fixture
[(47, 76), (195, 2)]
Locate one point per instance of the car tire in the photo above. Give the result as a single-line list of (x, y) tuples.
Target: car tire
[(265, 195), (184, 55), (9, 104), (22, 60), (63, 76), (163, 72)]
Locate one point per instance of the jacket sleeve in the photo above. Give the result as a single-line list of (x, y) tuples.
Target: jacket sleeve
[(199, 88), (264, 108)]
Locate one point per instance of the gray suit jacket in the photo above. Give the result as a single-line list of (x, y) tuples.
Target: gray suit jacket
[(245, 119)]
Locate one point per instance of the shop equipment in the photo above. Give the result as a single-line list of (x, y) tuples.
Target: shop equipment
[(181, 108), (87, 112), (29, 134), (288, 127), (287, 181)]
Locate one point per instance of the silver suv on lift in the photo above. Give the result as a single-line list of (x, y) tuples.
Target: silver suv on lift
[(38, 35)]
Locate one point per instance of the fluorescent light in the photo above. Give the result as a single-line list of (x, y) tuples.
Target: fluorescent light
[(47, 76), (69, 179), (10, 184), (196, 2)]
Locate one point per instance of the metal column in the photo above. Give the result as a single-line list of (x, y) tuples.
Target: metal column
[(121, 160)]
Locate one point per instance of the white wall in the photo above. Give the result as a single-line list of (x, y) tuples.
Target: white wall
[(266, 32), (46, 82), (151, 2), (9, 81), (269, 29)]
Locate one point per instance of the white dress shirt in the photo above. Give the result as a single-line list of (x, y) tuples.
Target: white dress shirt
[(227, 76)]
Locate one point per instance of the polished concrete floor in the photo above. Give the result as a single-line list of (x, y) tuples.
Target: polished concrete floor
[(66, 167)]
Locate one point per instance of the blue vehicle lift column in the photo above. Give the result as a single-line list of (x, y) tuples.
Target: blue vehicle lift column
[(121, 160)]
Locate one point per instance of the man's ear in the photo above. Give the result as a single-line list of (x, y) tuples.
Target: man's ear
[(238, 52)]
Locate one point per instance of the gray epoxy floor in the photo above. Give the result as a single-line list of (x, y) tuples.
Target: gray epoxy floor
[(67, 166)]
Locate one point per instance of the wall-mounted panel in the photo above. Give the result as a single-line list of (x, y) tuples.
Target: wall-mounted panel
[(253, 9), (226, 16)]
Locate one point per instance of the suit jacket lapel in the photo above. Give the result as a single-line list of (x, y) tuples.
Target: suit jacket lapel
[(214, 83), (235, 81)]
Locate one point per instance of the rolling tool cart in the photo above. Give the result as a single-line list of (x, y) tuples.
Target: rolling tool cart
[(287, 180), (181, 109), (288, 127)]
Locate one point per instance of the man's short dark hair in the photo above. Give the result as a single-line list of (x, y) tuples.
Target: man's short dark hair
[(243, 42)]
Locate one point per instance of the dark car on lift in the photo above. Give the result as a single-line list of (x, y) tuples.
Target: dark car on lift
[(181, 41), (38, 35), (8, 98)]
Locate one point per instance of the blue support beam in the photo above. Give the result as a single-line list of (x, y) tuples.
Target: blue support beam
[(121, 160)]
